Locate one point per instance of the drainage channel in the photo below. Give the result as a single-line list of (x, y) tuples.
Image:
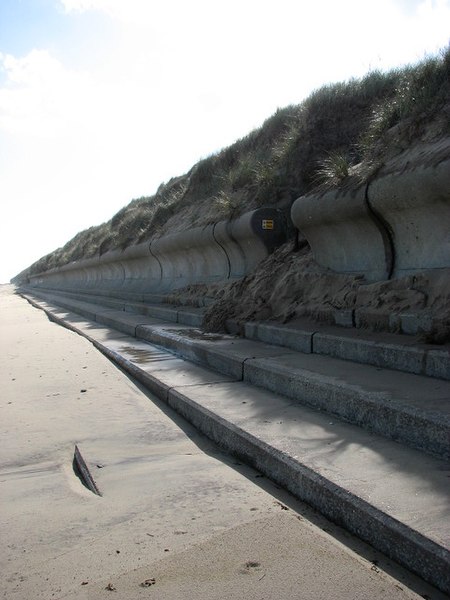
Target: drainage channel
[(82, 472)]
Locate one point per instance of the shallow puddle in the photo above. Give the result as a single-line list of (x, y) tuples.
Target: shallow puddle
[(142, 355)]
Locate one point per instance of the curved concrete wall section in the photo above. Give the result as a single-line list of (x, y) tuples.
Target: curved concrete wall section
[(132, 269), (396, 225), (342, 232), (248, 240), (190, 256), (217, 252), (109, 271), (416, 205)]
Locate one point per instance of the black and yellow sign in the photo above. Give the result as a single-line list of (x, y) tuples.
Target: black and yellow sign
[(267, 223)]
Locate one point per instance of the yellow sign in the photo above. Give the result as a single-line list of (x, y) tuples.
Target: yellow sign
[(267, 224)]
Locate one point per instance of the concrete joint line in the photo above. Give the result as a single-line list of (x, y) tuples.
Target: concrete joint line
[(158, 261), (224, 250), (312, 350), (243, 377), (135, 334), (123, 270), (386, 233), (353, 317), (423, 366)]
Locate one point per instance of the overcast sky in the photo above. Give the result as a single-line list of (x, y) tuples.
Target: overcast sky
[(102, 100)]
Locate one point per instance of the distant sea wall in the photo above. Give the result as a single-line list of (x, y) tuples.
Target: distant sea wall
[(222, 251)]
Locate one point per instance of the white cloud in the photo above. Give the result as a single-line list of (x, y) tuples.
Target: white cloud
[(39, 97), (267, 46), (432, 24), (83, 5)]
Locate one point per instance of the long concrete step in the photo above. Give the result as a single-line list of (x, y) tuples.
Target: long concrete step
[(389, 407), (408, 408), (188, 315), (394, 497), (411, 409), (386, 350)]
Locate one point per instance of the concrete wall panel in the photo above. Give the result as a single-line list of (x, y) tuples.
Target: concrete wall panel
[(189, 257), (250, 238), (342, 232), (396, 225), (142, 270), (416, 205)]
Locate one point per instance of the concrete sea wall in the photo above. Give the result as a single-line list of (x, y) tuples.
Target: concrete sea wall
[(396, 224), (221, 251)]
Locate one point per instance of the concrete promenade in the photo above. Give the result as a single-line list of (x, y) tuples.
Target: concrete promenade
[(177, 518)]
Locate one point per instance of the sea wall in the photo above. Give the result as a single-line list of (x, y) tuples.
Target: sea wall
[(221, 251)]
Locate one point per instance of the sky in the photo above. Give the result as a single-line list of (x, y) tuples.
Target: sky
[(103, 100)]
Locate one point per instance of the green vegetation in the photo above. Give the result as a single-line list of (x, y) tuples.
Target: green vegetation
[(340, 132)]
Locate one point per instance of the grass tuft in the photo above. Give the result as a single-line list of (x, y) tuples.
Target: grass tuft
[(333, 169)]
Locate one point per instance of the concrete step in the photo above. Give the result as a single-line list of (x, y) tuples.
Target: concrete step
[(411, 409), (390, 495), (386, 350), (390, 351), (102, 296), (188, 315)]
